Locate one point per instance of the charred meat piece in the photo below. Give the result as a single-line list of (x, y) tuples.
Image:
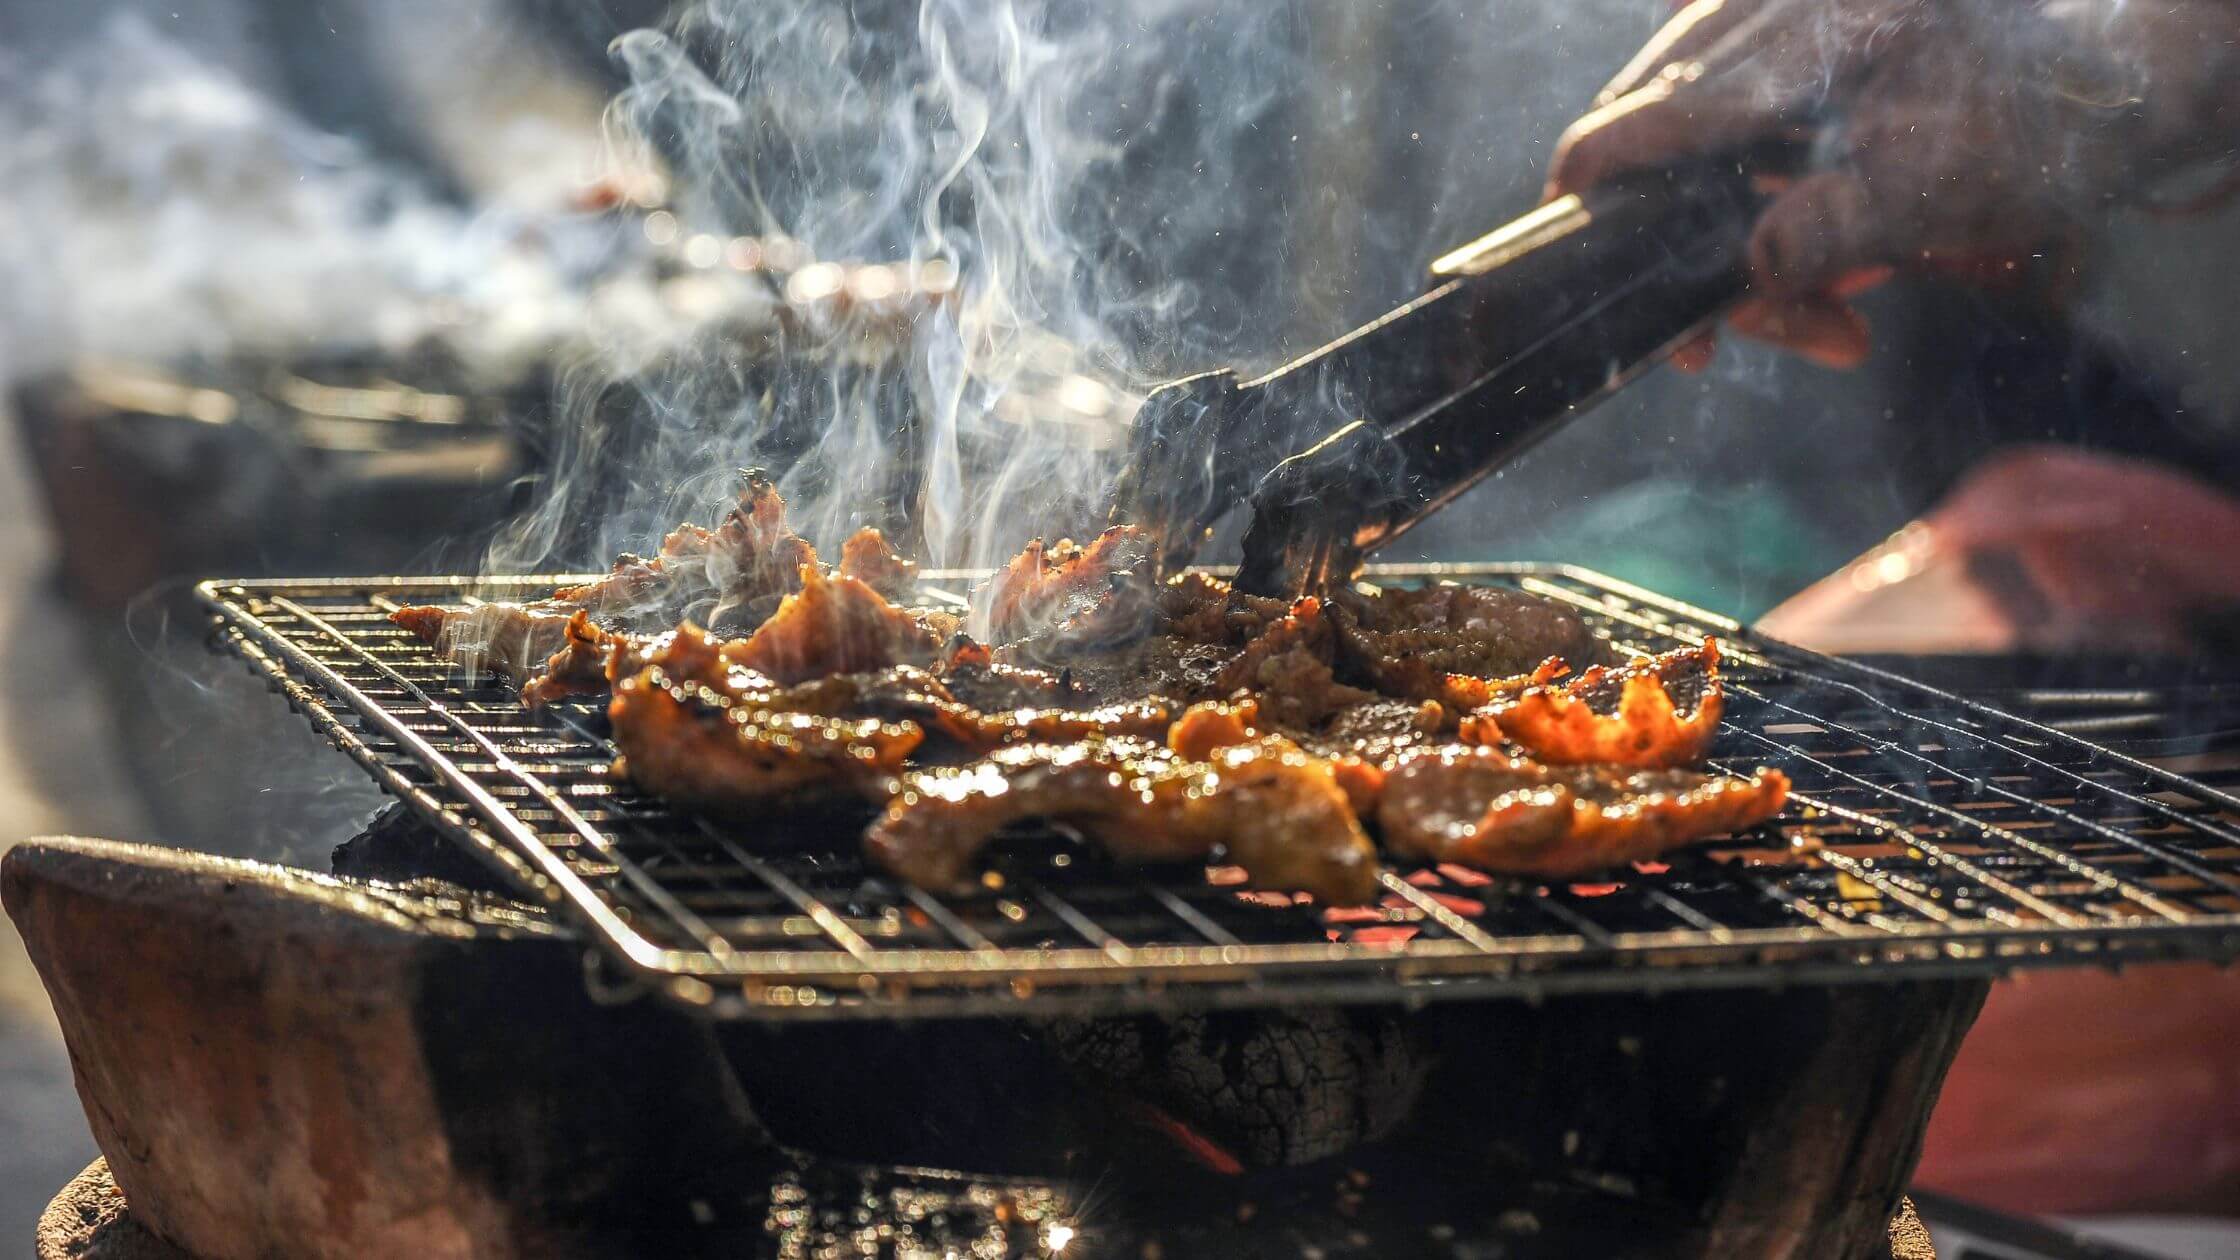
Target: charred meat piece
[(1280, 813), (899, 693), (1201, 608), (1482, 808), (904, 693), (1406, 642), (746, 562), (975, 677), (702, 573), (510, 640), (1467, 693), (1288, 664), (1070, 597), (709, 746), (577, 667), (1378, 731), (833, 625), (1286, 667), (869, 558), (1206, 728), (588, 660), (1156, 666), (1655, 712), (1215, 724), (1280, 652)]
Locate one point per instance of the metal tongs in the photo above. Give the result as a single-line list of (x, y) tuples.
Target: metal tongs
[(1523, 329)]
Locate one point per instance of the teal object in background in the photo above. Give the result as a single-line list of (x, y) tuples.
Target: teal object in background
[(1738, 550)]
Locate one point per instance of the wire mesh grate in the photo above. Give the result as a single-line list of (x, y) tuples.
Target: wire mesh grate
[(1927, 836)]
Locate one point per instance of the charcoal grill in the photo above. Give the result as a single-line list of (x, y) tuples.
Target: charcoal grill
[(1927, 836)]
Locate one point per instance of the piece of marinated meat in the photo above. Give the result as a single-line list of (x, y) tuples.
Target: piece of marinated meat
[(1280, 652), (833, 625), (1154, 666), (707, 745), (1070, 597), (1278, 812), (735, 572), (1482, 808), (588, 660), (1654, 712), (708, 575), (1467, 693), (898, 693), (974, 676), (869, 558), (1378, 731), (1287, 663), (510, 640), (905, 693), (1406, 642), (1211, 725), (1201, 608)]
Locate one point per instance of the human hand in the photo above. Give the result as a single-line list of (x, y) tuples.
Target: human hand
[(1969, 136)]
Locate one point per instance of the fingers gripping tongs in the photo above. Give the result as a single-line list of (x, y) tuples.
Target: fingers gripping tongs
[(1523, 329)]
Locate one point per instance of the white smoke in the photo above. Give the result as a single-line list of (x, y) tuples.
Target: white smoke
[(163, 210), (998, 145)]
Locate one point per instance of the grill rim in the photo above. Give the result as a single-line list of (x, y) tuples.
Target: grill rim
[(868, 980)]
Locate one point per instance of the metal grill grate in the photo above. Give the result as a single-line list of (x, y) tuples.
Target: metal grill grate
[(1928, 836)]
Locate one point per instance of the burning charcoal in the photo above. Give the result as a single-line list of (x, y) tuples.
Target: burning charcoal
[(397, 847)]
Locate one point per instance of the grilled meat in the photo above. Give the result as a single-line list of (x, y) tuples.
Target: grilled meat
[(1626, 716), (1215, 724), (975, 677), (1279, 813), (1379, 730), (869, 558), (1467, 693), (752, 555), (1069, 597), (735, 571), (908, 694), (1155, 666), (512, 640), (1482, 808), (561, 646), (1201, 608), (587, 661), (1206, 728), (833, 625), (901, 694), (1406, 642), (1166, 722), (1282, 653), (698, 737)]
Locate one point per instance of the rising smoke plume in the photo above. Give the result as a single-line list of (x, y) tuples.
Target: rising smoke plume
[(1058, 164)]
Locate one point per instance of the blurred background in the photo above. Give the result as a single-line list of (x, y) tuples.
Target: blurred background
[(340, 286)]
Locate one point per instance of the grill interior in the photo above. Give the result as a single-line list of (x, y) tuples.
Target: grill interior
[(1927, 835)]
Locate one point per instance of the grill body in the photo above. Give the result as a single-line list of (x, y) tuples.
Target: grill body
[(1928, 837)]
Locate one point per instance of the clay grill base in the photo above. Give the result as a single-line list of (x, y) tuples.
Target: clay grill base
[(275, 1063)]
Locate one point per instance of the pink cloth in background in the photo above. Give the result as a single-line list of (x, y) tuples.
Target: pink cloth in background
[(2043, 548), (2084, 1092), (2077, 1091)]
